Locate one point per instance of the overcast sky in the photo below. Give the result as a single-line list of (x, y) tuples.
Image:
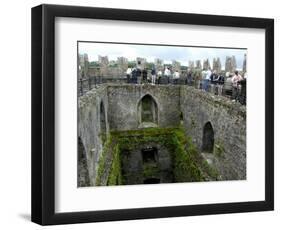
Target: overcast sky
[(166, 53)]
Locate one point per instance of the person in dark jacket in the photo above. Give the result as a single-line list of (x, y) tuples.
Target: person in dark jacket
[(214, 81), (153, 76), (189, 78), (144, 75), (138, 74), (242, 96), (134, 76), (220, 84)]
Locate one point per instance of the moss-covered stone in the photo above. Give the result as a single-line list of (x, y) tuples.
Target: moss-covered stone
[(210, 171), (186, 166), (103, 161), (115, 175), (150, 171), (219, 149)]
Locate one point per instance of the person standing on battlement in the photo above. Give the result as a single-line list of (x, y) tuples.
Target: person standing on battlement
[(208, 79), (167, 74), (220, 83), (134, 76), (235, 80), (198, 79), (214, 82), (144, 75), (159, 75), (204, 81), (138, 73), (189, 78), (128, 74), (153, 76), (176, 77)]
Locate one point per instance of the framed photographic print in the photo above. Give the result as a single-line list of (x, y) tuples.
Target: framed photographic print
[(145, 114)]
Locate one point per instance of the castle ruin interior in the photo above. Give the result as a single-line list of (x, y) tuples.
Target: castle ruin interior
[(146, 134)]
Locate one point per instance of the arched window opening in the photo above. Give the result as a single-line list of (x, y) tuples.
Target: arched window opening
[(148, 111), (208, 138), (181, 116)]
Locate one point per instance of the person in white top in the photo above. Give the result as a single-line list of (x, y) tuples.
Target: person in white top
[(208, 79), (167, 73), (128, 74), (208, 74), (176, 77), (204, 80), (153, 76), (235, 80)]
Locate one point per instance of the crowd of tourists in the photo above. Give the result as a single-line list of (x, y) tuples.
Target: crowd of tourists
[(138, 76), (208, 80), (217, 82)]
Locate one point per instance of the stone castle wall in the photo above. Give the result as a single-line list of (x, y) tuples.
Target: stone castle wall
[(89, 127), (123, 103), (228, 120)]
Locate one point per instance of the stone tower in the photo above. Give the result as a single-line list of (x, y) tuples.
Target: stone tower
[(206, 64), (230, 64), (83, 65), (103, 62), (217, 65), (122, 64), (176, 65), (198, 65), (158, 64), (191, 65)]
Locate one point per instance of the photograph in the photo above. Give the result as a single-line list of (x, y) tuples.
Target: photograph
[(160, 113), (149, 113)]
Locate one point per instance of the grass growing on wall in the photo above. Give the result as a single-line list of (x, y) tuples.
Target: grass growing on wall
[(115, 175), (102, 160), (184, 152)]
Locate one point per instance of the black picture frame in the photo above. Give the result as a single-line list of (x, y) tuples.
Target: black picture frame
[(43, 114)]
